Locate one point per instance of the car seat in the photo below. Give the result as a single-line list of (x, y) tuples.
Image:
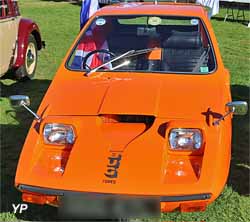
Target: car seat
[(182, 52), (152, 60)]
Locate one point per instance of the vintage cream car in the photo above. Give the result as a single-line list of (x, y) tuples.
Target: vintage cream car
[(20, 39)]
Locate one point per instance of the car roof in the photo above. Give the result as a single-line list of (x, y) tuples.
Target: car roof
[(139, 8)]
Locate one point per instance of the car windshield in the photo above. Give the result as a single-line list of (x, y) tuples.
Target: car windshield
[(168, 45)]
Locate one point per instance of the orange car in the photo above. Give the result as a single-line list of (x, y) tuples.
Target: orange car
[(139, 109)]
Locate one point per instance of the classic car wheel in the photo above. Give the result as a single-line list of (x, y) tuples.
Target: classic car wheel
[(27, 70)]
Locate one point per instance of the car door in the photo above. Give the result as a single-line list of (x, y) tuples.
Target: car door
[(9, 22)]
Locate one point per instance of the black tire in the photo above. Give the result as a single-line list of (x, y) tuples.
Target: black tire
[(27, 70)]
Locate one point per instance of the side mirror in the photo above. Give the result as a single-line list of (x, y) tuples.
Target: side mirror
[(238, 107), (19, 100), (24, 101)]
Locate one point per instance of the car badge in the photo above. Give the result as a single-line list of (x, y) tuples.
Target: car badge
[(154, 20), (100, 21)]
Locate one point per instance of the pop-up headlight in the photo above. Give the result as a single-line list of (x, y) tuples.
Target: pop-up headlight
[(58, 134), (185, 139)]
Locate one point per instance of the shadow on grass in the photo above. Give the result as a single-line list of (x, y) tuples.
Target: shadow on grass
[(239, 170), (73, 2), (13, 136), (12, 139), (221, 19)]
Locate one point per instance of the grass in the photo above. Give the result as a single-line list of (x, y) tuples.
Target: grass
[(59, 24)]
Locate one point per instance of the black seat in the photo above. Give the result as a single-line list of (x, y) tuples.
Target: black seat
[(182, 52)]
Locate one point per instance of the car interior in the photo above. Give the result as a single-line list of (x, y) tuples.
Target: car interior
[(183, 48)]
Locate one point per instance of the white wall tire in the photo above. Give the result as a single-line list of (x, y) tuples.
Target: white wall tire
[(27, 70)]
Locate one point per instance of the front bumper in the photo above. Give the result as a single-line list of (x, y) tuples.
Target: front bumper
[(56, 192), (184, 203)]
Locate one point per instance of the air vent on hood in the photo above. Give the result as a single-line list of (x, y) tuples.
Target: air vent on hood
[(136, 119), (148, 120)]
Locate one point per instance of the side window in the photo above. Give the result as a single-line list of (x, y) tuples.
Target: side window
[(4, 8), (7, 8), (15, 7)]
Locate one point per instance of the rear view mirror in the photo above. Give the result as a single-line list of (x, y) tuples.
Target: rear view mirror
[(24, 101), (238, 107), (19, 100)]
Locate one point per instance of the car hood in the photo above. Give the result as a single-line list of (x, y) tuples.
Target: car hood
[(174, 96), (146, 165)]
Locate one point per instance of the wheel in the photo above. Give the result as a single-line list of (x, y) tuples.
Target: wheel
[(27, 70), (105, 51)]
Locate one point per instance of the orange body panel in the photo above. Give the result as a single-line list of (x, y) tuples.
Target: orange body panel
[(148, 166)]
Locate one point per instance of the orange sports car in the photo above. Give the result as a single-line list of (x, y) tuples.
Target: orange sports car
[(139, 112)]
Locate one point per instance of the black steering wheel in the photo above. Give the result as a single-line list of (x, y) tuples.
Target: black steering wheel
[(84, 62)]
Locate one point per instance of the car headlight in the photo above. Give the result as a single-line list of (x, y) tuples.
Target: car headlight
[(185, 139), (54, 133)]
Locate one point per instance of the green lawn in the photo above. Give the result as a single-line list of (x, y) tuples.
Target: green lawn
[(59, 24)]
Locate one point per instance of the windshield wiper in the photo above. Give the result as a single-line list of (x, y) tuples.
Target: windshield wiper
[(127, 54), (110, 61), (141, 51)]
